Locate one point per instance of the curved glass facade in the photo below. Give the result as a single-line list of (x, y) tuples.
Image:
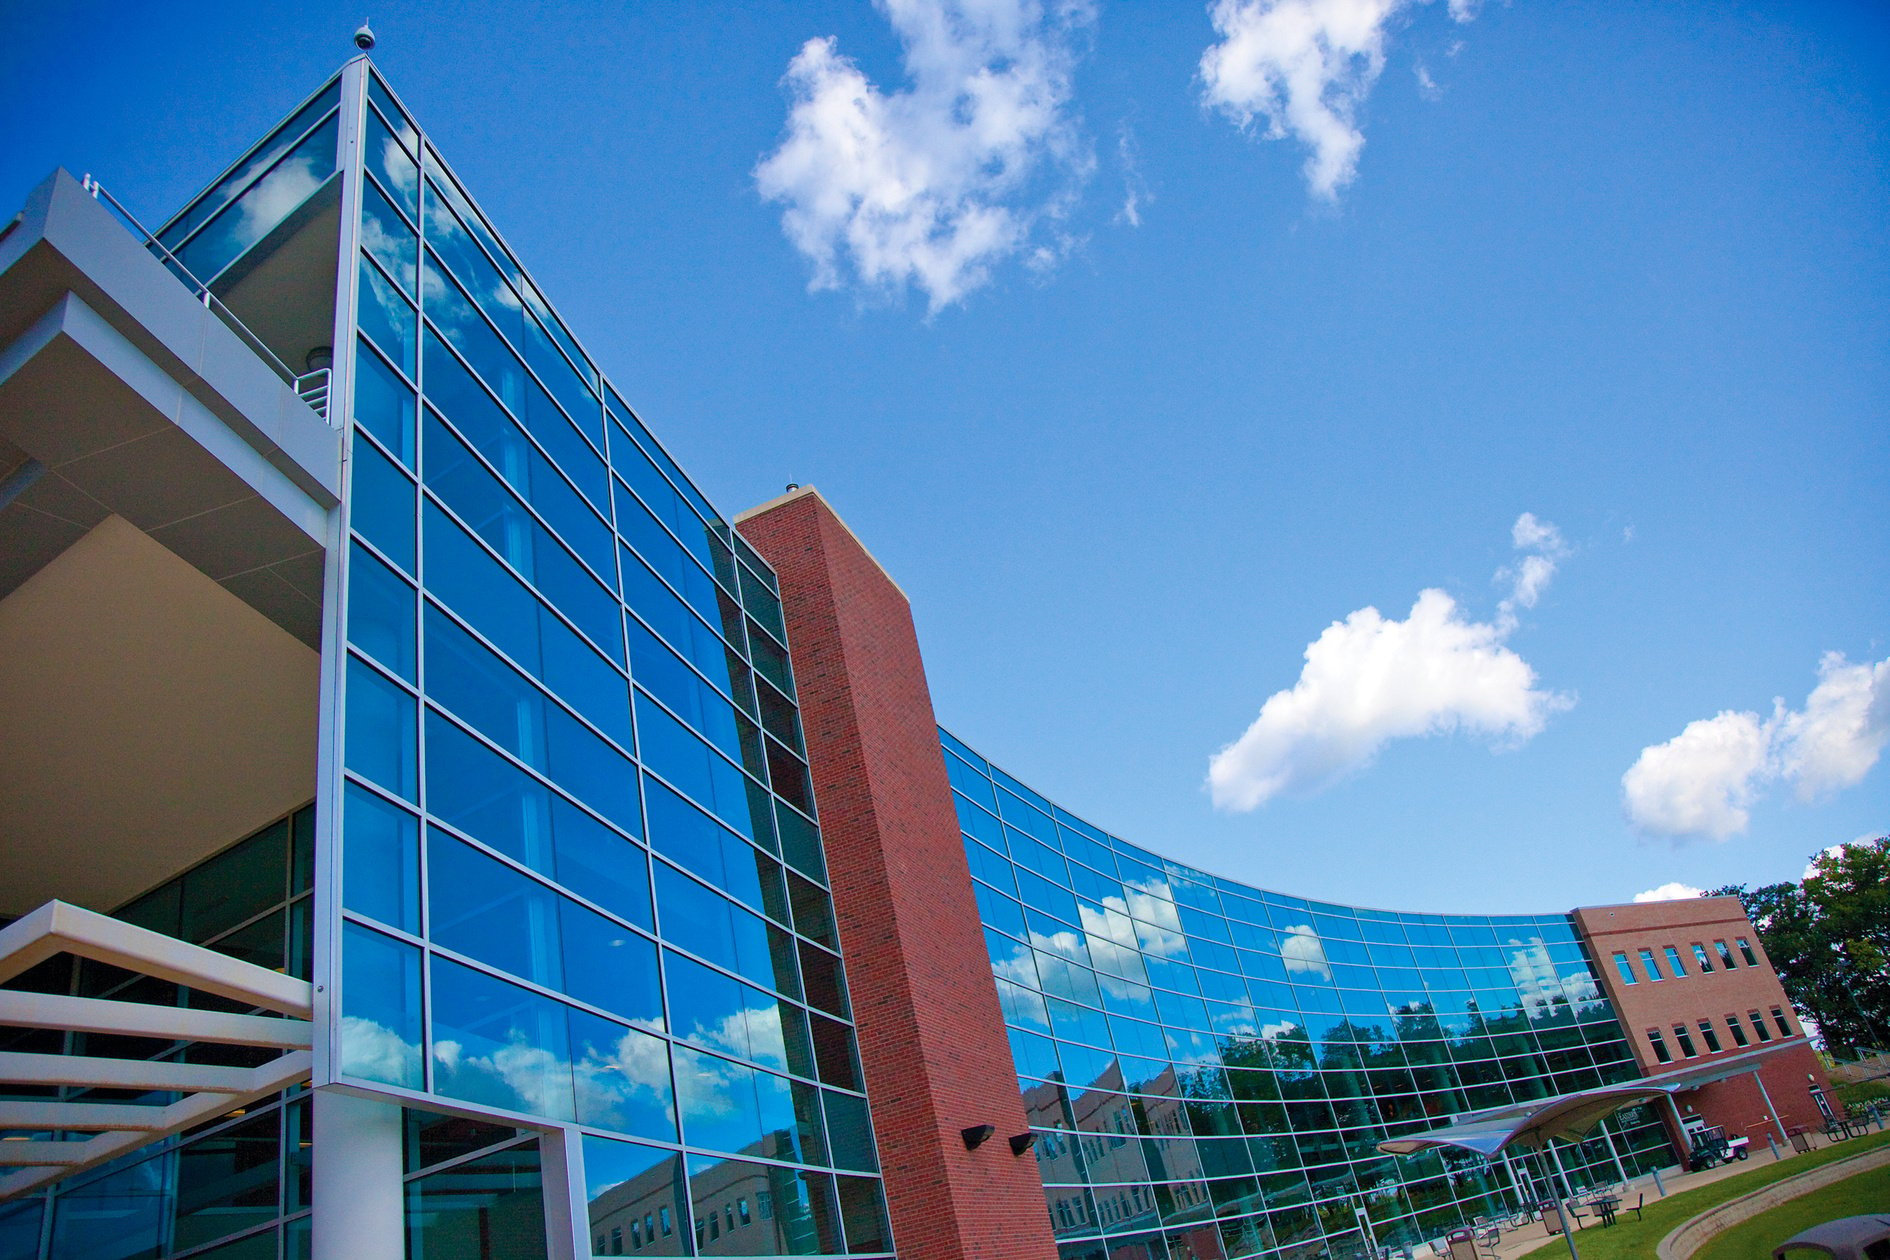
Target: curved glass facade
[(1208, 1067)]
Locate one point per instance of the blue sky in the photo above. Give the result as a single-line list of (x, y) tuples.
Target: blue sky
[(1137, 401)]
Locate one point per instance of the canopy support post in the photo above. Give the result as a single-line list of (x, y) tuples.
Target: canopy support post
[(1777, 1123), (1620, 1169), (1561, 1205)]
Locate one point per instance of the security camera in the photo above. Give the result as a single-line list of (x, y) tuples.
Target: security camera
[(364, 38)]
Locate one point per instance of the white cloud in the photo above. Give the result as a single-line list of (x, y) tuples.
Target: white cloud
[(1369, 680), (1305, 67), (1703, 780), (934, 184), (1833, 743), (1675, 891), (1700, 782), (1836, 850)]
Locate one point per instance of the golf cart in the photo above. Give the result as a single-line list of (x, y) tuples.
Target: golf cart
[(1711, 1146)]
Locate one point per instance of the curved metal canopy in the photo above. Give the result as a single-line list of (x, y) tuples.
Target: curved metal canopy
[(1570, 1117)]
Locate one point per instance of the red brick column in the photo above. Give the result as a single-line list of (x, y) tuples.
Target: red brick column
[(931, 1035)]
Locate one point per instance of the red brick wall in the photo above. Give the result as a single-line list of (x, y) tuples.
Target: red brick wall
[(1736, 1103), (932, 1037)]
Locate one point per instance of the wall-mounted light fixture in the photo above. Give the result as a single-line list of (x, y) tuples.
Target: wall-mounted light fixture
[(1022, 1142), (976, 1135)]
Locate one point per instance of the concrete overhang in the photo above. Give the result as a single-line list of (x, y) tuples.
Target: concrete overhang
[(123, 394)]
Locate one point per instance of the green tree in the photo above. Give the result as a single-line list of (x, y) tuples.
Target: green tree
[(1829, 938)]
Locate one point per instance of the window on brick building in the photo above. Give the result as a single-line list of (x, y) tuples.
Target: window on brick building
[(1725, 955), (1738, 1032), (1784, 1025), (1650, 965), (1758, 1025), (1685, 1039), (1710, 1037), (1745, 951), (1660, 1045), (1700, 957), (1673, 963), (1621, 965)]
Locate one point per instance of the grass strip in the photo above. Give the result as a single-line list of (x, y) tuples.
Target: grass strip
[(1754, 1239), (1630, 1239)]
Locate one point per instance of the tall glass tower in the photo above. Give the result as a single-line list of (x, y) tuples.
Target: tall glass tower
[(560, 893)]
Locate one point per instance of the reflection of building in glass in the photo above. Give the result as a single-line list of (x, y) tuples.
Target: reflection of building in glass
[(416, 593), (1244, 1051)]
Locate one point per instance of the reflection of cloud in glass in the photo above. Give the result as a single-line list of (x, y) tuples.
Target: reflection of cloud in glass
[(1532, 971), (397, 168), (629, 1076), (375, 1052), (279, 192), (707, 1087), (1304, 953), (517, 1075), (749, 1032)]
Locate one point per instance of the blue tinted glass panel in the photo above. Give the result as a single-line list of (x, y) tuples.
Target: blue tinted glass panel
[(390, 164), (622, 1078), (389, 238), (381, 872), (383, 610), (381, 505), (467, 577), (494, 434), (386, 317), (507, 708), (382, 730), (383, 404), (259, 209), (608, 965), (260, 159), (486, 910), (498, 1045), (681, 756), (624, 1183), (380, 1038), (499, 518), (476, 790)]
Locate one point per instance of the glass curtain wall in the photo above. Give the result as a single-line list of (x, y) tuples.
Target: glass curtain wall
[(580, 875), (1209, 1067)]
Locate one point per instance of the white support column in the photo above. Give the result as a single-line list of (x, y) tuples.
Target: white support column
[(1777, 1122), (1620, 1169), (360, 1209), (1561, 1202), (1679, 1132), (567, 1207)]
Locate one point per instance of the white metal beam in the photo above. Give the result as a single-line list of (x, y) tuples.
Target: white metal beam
[(61, 1155), (199, 1108), (58, 928), (87, 1071), (79, 1117), (142, 1019)]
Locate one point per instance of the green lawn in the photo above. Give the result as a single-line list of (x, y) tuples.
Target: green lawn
[(1754, 1240), (1635, 1240)]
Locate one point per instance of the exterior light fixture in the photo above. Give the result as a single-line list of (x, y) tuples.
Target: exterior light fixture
[(1022, 1142), (976, 1135)]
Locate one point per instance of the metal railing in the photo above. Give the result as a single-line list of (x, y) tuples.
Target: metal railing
[(303, 384), (312, 388)]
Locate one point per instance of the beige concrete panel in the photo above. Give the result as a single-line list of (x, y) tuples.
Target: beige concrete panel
[(149, 718)]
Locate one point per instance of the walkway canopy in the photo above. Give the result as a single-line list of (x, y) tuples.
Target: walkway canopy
[(1570, 1117)]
